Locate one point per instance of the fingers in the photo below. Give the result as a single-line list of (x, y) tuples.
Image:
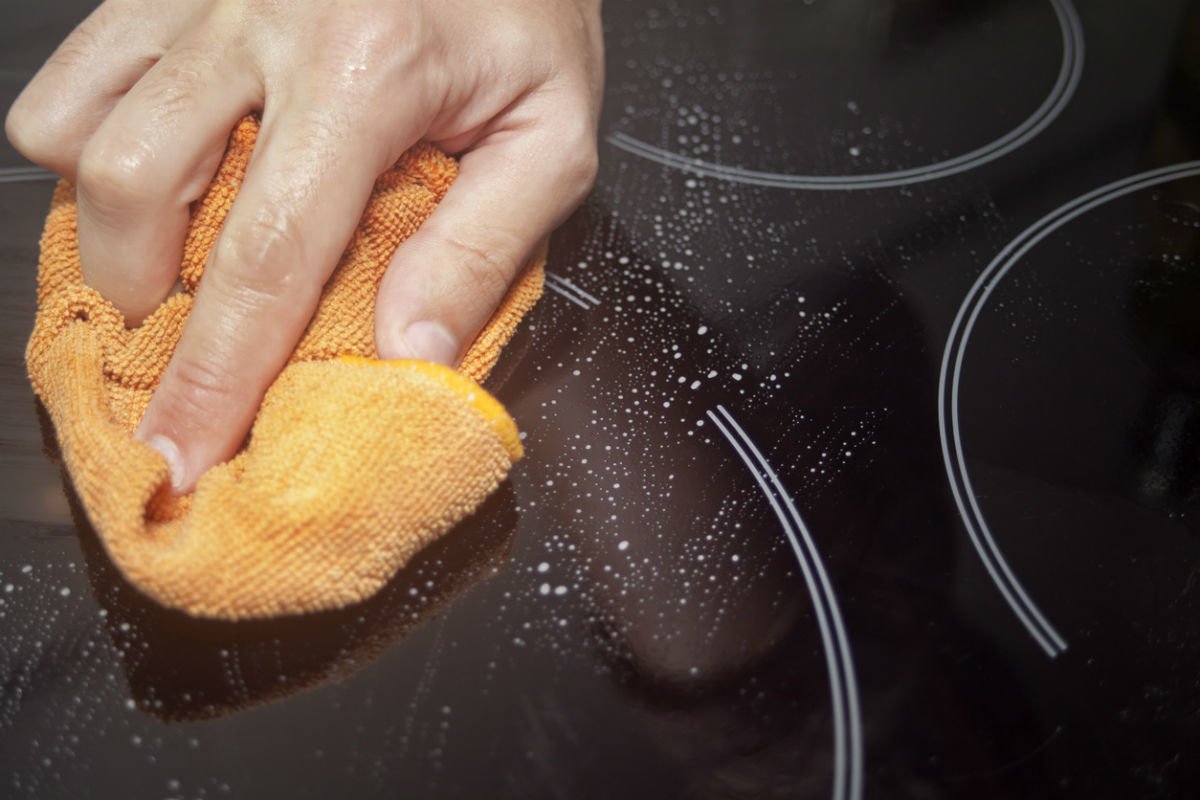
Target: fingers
[(150, 159), (304, 193), (66, 102), (446, 281)]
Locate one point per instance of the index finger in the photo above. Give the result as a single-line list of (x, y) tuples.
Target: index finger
[(304, 192)]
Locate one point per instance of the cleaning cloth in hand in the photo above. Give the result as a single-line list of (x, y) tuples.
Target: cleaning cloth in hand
[(353, 463)]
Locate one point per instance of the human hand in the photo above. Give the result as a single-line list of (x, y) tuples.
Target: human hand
[(136, 106)]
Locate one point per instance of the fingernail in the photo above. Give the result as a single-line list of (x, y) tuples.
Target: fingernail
[(431, 341), (170, 452)]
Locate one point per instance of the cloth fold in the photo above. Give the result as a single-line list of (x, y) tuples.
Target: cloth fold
[(353, 463)]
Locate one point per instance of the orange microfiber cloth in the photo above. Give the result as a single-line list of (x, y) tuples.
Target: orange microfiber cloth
[(353, 464)]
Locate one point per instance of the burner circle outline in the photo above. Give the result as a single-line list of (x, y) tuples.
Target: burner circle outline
[(1035, 622), (1060, 95)]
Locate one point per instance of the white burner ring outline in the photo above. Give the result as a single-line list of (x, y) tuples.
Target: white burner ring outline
[(1060, 95), (948, 385), (843, 685), (23, 174), (571, 291)]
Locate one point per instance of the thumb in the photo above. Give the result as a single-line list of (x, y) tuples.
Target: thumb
[(445, 281)]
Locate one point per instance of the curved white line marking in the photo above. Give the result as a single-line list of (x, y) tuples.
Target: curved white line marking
[(554, 287), (569, 290), (1060, 95), (843, 685), (22, 174), (956, 345), (570, 284)]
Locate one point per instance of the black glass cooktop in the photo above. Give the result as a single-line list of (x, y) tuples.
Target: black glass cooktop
[(863, 427)]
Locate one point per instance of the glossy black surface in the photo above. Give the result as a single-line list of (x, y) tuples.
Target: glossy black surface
[(629, 616)]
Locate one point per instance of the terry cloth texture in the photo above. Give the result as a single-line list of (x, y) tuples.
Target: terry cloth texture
[(353, 463)]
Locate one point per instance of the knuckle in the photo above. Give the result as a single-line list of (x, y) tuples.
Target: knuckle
[(171, 87), (581, 167), (197, 388), (518, 34), (360, 54), (480, 268), (19, 125), (53, 117), (115, 177), (575, 164), (255, 259), (42, 136), (318, 139)]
